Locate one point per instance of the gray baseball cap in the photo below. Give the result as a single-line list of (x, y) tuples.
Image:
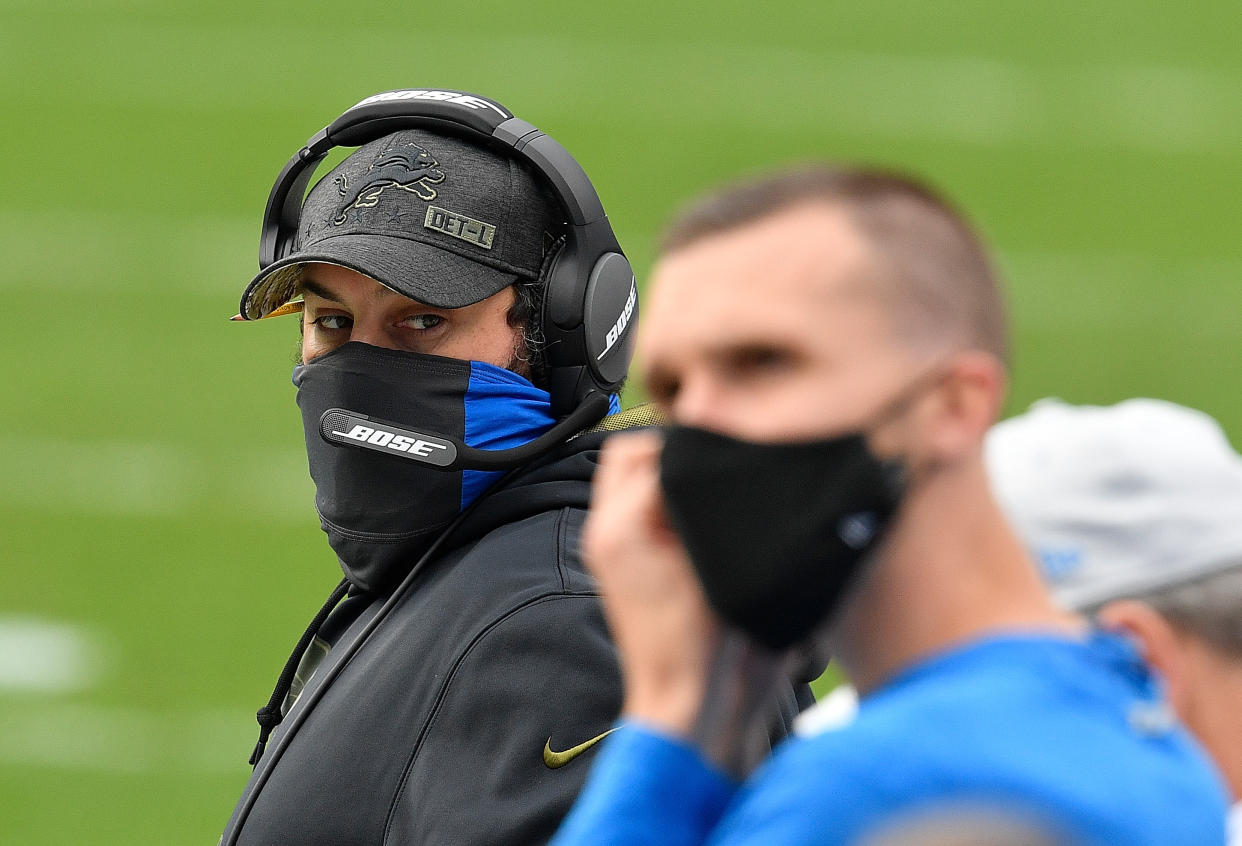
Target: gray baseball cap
[(433, 217), (1118, 501)]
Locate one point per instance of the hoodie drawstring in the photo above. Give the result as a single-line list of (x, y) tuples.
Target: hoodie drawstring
[(269, 716)]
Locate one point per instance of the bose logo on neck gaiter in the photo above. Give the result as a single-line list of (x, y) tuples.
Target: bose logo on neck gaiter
[(350, 429)]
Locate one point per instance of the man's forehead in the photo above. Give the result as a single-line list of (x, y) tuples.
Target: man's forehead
[(798, 281), (813, 232), (804, 257)]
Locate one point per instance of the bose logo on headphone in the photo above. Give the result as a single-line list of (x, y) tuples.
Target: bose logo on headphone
[(623, 320), (468, 100)]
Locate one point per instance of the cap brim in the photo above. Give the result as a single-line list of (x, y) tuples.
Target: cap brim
[(430, 275)]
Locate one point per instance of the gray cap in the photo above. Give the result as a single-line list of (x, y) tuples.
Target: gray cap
[(1119, 501), (433, 217)]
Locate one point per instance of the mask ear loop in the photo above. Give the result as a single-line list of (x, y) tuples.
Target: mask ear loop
[(898, 471), (906, 395)]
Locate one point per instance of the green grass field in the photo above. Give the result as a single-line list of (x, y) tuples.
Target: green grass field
[(160, 553)]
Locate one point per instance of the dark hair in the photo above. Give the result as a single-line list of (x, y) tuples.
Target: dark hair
[(526, 314), (930, 264)]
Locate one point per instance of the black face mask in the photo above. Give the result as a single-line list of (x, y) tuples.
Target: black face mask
[(379, 505), (777, 532)]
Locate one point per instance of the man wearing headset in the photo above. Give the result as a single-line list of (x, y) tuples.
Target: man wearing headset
[(453, 687)]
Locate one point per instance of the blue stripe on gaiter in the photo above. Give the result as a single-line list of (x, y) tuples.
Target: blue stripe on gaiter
[(503, 410)]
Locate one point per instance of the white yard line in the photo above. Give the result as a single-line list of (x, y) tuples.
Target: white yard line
[(971, 99), (157, 479), (125, 740), (208, 256), (45, 664), (1104, 290), (42, 661), (40, 656)]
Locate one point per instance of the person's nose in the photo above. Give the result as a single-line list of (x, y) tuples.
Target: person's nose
[(374, 332), (698, 403)]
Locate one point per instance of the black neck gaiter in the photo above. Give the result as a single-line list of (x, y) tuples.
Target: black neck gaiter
[(381, 511)]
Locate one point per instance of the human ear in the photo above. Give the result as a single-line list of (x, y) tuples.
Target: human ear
[(1159, 642), (965, 404)]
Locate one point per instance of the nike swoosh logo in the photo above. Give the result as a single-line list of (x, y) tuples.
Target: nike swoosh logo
[(556, 760)]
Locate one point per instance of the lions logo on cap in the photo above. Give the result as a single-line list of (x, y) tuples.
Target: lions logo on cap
[(408, 167)]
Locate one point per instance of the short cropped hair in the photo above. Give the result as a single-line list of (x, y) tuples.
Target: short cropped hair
[(932, 269), (1209, 608)]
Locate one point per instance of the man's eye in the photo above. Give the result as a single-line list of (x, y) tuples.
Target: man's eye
[(422, 321), (760, 359), (662, 389), (333, 322)]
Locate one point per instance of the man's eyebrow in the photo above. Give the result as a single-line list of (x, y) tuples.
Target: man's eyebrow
[(318, 290)]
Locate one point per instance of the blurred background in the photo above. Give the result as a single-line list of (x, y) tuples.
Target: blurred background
[(159, 553)]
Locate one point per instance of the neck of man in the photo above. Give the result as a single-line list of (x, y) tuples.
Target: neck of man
[(1209, 706), (952, 571)]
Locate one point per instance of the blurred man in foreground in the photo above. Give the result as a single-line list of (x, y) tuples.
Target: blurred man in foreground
[(832, 346), (1135, 512)]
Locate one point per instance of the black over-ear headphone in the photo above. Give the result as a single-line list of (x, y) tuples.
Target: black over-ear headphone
[(590, 304)]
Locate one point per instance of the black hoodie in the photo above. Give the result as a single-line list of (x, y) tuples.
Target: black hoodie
[(437, 721)]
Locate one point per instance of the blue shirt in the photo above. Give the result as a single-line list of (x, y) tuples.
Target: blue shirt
[(1075, 734)]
